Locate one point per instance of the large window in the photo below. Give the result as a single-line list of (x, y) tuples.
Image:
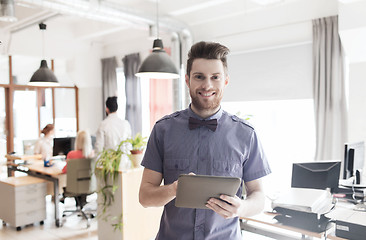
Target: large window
[(25, 110), (46, 106), (25, 118), (121, 85), (65, 112), (286, 130)]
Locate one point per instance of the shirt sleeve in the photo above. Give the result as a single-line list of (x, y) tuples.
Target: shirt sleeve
[(256, 165), (153, 158)]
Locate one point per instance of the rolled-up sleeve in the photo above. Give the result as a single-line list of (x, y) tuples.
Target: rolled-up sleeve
[(153, 158), (256, 165)]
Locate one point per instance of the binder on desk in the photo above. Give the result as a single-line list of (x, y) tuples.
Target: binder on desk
[(304, 208), (305, 200)]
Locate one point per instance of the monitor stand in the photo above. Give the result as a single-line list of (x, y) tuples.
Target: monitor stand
[(351, 182)]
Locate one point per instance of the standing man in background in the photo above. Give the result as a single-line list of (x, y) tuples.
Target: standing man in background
[(112, 130)]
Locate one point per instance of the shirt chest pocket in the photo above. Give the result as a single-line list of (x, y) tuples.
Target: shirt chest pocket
[(175, 167), (227, 168)]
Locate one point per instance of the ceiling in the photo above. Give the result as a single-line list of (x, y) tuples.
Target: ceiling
[(107, 22), (110, 20)]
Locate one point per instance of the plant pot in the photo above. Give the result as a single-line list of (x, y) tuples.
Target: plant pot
[(136, 157)]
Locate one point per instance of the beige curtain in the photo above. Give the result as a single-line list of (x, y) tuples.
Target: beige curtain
[(329, 90), (109, 79), (131, 64)]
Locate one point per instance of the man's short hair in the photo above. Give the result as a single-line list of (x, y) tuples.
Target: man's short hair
[(112, 104), (207, 50)]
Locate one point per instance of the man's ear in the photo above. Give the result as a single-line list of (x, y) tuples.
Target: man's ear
[(187, 80), (227, 80), (107, 110)]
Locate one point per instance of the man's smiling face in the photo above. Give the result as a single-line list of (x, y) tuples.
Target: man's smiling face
[(206, 85)]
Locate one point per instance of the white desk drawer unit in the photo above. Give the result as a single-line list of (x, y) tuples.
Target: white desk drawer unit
[(22, 200)]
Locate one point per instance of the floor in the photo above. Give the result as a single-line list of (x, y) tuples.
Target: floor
[(73, 228)]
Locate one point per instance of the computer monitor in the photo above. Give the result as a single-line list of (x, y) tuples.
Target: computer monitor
[(317, 175), (354, 159), (61, 146)]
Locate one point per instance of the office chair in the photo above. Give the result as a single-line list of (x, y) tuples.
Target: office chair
[(80, 183)]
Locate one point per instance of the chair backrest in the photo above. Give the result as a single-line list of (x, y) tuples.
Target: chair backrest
[(80, 176)]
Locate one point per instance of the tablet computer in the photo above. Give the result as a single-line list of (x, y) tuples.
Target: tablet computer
[(193, 191)]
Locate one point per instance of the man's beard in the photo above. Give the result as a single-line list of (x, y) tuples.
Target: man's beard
[(206, 105)]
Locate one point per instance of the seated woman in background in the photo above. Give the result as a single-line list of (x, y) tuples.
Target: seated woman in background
[(44, 145), (83, 148)]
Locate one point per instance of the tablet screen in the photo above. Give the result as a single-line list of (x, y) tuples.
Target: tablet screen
[(194, 191)]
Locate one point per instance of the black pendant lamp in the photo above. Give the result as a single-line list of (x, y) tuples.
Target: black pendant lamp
[(158, 64), (43, 77)]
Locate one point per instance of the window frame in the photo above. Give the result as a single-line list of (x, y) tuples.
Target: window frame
[(9, 90)]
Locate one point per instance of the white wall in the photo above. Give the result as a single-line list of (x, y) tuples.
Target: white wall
[(352, 30), (357, 101), (278, 24), (273, 74), (85, 70)]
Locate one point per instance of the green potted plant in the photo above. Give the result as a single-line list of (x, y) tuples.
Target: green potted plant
[(107, 170), (138, 143)]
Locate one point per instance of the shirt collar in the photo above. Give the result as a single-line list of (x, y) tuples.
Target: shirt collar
[(113, 114), (217, 115)]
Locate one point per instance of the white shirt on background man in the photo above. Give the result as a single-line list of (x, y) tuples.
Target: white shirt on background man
[(111, 132)]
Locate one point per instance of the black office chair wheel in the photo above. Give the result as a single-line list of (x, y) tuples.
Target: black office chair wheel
[(58, 223), (19, 228), (41, 222)]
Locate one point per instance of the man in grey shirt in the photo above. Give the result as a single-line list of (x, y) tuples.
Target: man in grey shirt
[(206, 140)]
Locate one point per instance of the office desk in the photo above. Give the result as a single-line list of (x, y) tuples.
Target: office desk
[(23, 157), (35, 168), (265, 225)]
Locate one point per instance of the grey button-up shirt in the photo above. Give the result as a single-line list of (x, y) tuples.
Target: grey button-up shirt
[(232, 150)]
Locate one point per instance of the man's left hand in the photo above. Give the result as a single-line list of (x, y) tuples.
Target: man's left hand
[(226, 206)]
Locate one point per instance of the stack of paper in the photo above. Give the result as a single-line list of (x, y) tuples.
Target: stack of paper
[(305, 200)]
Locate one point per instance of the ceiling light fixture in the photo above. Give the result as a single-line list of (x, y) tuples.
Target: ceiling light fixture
[(43, 77), (7, 13), (158, 64)]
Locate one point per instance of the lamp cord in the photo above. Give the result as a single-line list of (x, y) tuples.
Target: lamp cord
[(157, 18), (43, 47)]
